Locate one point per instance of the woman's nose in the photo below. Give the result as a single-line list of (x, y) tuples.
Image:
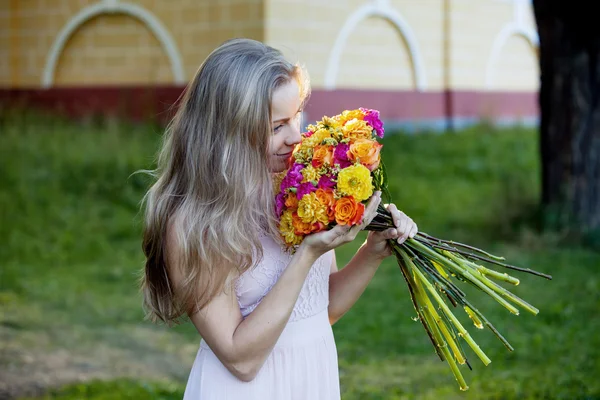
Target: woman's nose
[(295, 136)]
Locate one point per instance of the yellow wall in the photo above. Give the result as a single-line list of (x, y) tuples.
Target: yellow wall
[(117, 48), (454, 38), (94, 55), (6, 62), (474, 26), (376, 56)]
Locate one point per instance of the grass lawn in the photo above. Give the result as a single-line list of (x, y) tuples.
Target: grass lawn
[(71, 324)]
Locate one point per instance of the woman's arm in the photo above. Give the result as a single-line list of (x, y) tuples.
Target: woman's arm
[(242, 345), (347, 285)]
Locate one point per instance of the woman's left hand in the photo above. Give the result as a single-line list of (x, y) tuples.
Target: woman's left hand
[(405, 228)]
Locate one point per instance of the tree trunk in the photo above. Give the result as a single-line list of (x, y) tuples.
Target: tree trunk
[(570, 116)]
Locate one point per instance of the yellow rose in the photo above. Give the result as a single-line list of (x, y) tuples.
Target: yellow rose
[(330, 122), (327, 198), (317, 138), (349, 115), (286, 227), (311, 210), (356, 181), (309, 173), (357, 129)]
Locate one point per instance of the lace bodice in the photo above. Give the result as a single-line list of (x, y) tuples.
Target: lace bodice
[(255, 283)]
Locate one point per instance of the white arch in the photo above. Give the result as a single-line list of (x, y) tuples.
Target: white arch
[(113, 7), (384, 10), (517, 27), (510, 29)]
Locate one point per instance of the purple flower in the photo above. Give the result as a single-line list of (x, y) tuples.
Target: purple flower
[(279, 204), (326, 182), (372, 118), (292, 178), (340, 155), (305, 188)]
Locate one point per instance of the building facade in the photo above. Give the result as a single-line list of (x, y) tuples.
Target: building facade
[(428, 63)]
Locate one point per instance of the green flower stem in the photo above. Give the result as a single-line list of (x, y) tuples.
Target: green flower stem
[(476, 321), (466, 246), (458, 355), (481, 258), (444, 280), (434, 315), (494, 286), (410, 284), (445, 285), (376, 226), (455, 370), (479, 320), (384, 216), (436, 274), (436, 327), (504, 277), (463, 272), (489, 325), (461, 330)]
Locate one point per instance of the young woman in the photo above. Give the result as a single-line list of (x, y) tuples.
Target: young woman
[(211, 242)]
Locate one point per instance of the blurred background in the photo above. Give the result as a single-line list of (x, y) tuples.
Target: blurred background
[(476, 152)]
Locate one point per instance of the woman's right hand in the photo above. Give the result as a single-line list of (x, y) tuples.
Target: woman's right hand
[(321, 242)]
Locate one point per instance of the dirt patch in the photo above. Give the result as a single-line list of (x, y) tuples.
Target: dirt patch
[(30, 370)]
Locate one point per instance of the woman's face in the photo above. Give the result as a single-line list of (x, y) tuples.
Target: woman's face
[(285, 111)]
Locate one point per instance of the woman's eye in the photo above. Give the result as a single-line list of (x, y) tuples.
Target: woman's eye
[(278, 128)]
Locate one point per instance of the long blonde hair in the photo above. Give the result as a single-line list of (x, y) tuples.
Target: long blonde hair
[(213, 188)]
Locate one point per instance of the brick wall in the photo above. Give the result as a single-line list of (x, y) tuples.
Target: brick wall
[(454, 38), (455, 52), (117, 48)]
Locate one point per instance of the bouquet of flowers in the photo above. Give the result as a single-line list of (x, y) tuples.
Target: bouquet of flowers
[(334, 169)]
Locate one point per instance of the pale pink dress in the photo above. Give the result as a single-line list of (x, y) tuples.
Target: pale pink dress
[(303, 364)]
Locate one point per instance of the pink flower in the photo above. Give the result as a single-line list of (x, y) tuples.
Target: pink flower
[(279, 204), (326, 182), (372, 118), (305, 188), (292, 178), (340, 155)]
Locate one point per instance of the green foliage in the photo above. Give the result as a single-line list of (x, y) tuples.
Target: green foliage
[(122, 389), (71, 257)]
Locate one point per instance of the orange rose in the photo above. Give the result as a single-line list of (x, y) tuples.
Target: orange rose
[(291, 201), (325, 197), (348, 211), (301, 228), (323, 154), (367, 152)]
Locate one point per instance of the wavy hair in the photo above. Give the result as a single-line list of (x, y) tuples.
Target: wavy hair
[(213, 191)]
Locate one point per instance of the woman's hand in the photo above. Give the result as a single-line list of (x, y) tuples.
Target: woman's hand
[(377, 242), (321, 242)]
